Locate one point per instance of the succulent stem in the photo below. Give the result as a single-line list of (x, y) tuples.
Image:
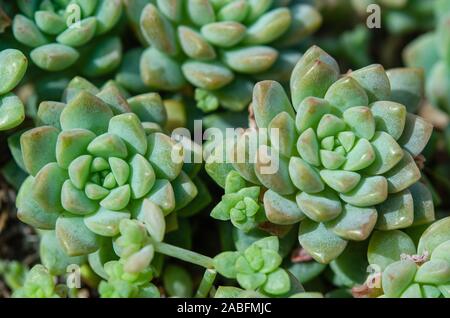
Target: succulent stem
[(183, 254), (206, 283)]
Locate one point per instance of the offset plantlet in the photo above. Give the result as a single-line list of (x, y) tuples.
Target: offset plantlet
[(58, 30), (130, 277), (13, 65), (39, 284), (340, 151), (93, 163), (410, 273), (240, 204), (209, 43), (257, 268)]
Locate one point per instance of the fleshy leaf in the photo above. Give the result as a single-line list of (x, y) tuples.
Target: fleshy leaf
[(38, 147), (129, 128), (76, 201), (320, 242), (397, 212), (71, 144), (386, 247), (75, 238), (281, 210), (105, 222), (320, 207), (88, 112), (354, 223)]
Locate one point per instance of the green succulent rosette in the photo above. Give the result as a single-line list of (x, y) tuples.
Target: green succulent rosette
[(220, 46), (257, 268), (39, 283), (240, 204), (61, 32), (407, 271), (338, 157), (95, 159), (13, 66), (131, 275)]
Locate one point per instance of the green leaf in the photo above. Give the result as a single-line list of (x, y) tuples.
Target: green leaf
[(397, 277), (320, 242), (88, 112), (129, 128), (225, 262), (75, 238), (386, 247), (277, 283), (76, 201), (72, 144), (38, 147), (30, 212), (105, 222), (397, 212)]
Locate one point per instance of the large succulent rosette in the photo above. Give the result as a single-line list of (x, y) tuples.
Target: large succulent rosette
[(339, 157), (60, 32), (94, 160), (207, 43)]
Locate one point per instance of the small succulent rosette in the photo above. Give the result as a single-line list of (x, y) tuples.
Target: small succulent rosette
[(257, 268), (402, 270), (220, 46), (62, 32), (339, 157), (13, 66), (39, 283), (131, 275), (95, 159)]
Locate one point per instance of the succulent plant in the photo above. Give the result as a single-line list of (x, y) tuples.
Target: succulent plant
[(13, 65), (257, 268), (208, 43), (38, 284), (339, 157), (59, 32), (408, 272), (130, 276), (240, 204), (96, 159)]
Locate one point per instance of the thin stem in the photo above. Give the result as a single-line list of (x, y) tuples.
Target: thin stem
[(183, 254), (206, 283)]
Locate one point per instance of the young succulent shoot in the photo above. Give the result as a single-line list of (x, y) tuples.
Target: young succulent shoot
[(338, 157), (131, 275), (408, 272), (13, 66), (209, 43), (257, 268), (96, 159), (39, 284), (240, 204), (58, 31)]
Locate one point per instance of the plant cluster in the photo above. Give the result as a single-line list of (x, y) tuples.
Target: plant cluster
[(334, 169)]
